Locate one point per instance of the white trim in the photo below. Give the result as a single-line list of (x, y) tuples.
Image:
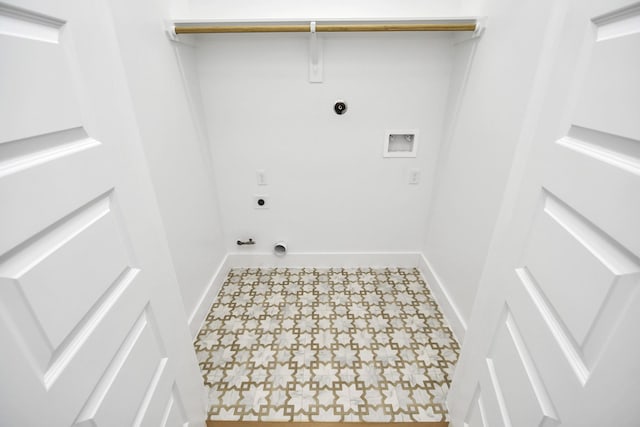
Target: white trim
[(199, 314), (447, 305), (325, 259)]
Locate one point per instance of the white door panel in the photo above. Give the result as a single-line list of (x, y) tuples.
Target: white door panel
[(581, 172), (110, 403), (30, 163), (515, 375), (553, 339), (546, 260), (37, 84), (609, 96), (52, 259), (91, 325), (174, 414), (476, 415)]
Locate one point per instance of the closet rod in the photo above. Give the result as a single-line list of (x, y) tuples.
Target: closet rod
[(305, 28)]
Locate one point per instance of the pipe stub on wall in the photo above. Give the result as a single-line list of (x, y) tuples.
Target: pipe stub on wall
[(280, 249)]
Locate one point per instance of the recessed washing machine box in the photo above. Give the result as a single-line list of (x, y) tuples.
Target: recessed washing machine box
[(402, 143)]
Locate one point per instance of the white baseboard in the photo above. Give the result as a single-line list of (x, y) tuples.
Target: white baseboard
[(447, 305), (199, 314), (325, 259)]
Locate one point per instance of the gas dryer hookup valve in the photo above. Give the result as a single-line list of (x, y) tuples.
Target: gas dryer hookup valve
[(340, 108)]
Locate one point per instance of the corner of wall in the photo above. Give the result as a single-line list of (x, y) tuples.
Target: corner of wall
[(199, 312), (174, 143), (477, 155), (447, 304), (460, 70)]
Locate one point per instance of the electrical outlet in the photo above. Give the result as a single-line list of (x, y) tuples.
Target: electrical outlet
[(261, 201), (261, 177), (414, 176)]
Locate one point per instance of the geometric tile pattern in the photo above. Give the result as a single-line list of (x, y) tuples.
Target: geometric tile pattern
[(308, 344)]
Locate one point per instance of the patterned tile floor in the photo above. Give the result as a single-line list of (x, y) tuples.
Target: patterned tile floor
[(326, 345)]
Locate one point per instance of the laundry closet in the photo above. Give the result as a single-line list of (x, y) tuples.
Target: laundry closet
[(295, 211)]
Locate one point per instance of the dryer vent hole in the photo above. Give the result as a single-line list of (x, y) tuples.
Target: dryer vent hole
[(280, 249)]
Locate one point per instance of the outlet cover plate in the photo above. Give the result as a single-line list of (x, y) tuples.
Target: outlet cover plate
[(414, 176), (261, 177)]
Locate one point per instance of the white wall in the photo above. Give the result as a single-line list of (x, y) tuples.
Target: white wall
[(329, 187), (474, 163), (290, 9), (175, 147)]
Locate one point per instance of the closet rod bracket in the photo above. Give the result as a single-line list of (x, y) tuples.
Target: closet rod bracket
[(171, 32), (481, 24), (315, 55)]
